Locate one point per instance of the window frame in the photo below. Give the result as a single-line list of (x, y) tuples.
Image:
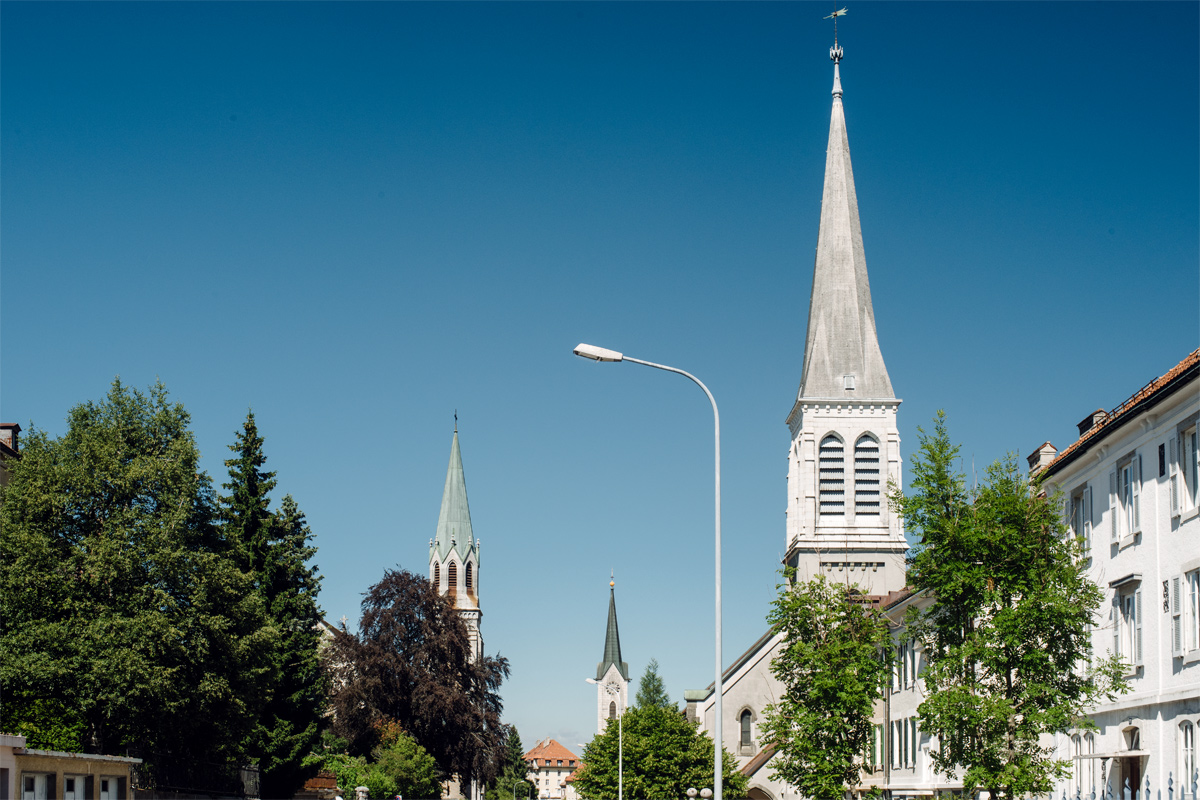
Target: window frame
[(830, 496)]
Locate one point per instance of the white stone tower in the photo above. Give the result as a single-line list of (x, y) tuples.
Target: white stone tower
[(612, 674), (845, 445), (454, 552)]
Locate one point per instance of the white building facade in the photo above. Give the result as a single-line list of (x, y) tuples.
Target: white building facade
[(1131, 490)]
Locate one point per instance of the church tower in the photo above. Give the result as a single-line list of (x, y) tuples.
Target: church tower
[(454, 552), (845, 445), (612, 674)]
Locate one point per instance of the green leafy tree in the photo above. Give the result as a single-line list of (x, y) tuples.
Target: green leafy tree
[(664, 756), (832, 664), (1007, 636), (512, 781), (130, 625), (275, 549), (651, 690), (413, 772)]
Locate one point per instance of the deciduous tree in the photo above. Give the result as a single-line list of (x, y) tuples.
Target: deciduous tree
[(1008, 637), (127, 615), (832, 664), (411, 662), (664, 756)]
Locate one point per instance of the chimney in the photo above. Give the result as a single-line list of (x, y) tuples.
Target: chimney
[(8, 435), (1041, 458), (1092, 420)]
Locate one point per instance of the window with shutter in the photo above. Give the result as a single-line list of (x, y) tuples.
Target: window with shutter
[(1173, 476), (832, 477), (1192, 464), (1135, 499), (1175, 605), (1137, 625), (866, 476), (1191, 639), (1113, 506)]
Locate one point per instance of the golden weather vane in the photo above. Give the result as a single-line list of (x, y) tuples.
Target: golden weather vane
[(835, 52)]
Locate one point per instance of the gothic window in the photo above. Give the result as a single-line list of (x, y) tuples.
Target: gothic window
[(745, 720), (437, 576), (452, 574), (866, 475), (468, 578), (612, 709), (832, 481)]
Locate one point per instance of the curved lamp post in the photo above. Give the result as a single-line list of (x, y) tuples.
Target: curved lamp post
[(601, 354)]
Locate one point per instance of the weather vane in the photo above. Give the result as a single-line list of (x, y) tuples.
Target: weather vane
[(835, 52)]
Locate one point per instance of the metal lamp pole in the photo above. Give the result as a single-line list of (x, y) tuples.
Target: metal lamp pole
[(601, 354)]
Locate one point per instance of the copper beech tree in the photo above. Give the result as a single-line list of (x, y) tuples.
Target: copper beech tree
[(411, 663)]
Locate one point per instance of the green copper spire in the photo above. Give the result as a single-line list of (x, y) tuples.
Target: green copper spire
[(454, 522), (612, 640)]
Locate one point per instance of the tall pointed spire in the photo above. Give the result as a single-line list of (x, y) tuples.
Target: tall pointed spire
[(841, 351), (454, 521), (612, 639)]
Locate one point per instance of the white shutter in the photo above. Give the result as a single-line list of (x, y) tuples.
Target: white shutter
[(1137, 621), (1116, 623), (1087, 518), (1135, 482), (1176, 617), (1173, 471), (1113, 505)]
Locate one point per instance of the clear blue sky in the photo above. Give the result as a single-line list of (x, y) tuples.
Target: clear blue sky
[(357, 218)]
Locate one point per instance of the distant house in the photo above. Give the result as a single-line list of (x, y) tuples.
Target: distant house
[(550, 767), (52, 775), (9, 448)]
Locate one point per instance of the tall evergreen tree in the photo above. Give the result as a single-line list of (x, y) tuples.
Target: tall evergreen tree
[(512, 781), (651, 690), (127, 616), (275, 547)]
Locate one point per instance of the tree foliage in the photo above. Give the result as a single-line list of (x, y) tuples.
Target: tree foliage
[(411, 662), (1007, 636), (131, 625), (832, 664), (511, 781), (651, 689), (664, 756), (275, 549)]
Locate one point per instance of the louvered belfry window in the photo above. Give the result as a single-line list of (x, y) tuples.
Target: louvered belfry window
[(437, 576), (866, 476), (833, 476), (452, 575), (468, 577)]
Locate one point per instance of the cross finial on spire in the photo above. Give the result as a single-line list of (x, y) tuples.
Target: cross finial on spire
[(835, 52), (456, 420), (611, 580)]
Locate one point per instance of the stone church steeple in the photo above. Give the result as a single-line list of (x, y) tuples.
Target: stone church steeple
[(454, 551), (845, 445), (612, 674)]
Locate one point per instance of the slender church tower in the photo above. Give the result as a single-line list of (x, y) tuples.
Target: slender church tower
[(845, 445), (612, 674), (454, 552)]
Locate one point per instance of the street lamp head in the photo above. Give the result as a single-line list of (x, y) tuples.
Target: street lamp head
[(706, 793), (597, 353)]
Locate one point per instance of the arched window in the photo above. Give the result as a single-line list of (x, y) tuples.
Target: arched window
[(745, 719), (452, 574), (1187, 756), (1089, 764), (866, 475), (437, 576), (612, 709), (468, 577), (1076, 785), (832, 482)]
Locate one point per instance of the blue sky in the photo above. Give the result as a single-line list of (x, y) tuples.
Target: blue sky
[(357, 218)]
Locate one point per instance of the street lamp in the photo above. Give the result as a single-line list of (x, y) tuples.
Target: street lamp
[(614, 691), (601, 354)]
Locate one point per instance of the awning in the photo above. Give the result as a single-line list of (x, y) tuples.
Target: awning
[(1133, 577)]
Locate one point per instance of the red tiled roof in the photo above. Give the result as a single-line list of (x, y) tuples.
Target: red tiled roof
[(756, 763), (1121, 412), (552, 750)]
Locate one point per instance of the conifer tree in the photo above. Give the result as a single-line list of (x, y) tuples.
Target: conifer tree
[(275, 548), (651, 690)]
